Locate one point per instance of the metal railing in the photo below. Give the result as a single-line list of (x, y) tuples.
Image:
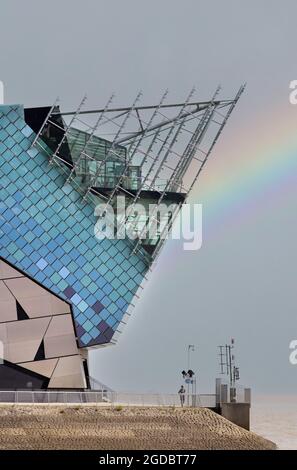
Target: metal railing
[(104, 397), (132, 399)]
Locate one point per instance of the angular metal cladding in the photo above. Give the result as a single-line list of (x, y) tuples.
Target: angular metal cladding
[(36, 337), (48, 232)]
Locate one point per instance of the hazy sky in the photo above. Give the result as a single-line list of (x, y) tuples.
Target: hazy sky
[(242, 283)]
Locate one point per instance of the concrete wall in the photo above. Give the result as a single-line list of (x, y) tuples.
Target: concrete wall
[(237, 413)]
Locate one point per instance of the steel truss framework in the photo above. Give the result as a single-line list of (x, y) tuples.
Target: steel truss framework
[(166, 144)]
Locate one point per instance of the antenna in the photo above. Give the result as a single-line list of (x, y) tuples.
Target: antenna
[(228, 367), (1, 92)]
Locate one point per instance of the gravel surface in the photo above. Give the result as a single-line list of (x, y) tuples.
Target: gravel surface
[(117, 428)]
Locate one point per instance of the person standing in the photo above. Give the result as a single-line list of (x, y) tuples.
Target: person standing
[(182, 393)]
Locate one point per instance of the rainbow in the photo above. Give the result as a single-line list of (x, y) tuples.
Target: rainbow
[(253, 167)]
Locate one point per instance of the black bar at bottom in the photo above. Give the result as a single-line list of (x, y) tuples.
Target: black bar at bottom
[(136, 459)]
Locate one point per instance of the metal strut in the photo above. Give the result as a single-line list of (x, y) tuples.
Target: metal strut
[(164, 160), (232, 106), (89, 139), (136, 148), (180, 117), (67, 129), (140, 108), (144, 160), (146, 177), (45, 122), (113, 145), (226, 117), (195, 141)]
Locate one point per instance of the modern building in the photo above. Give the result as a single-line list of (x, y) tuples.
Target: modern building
[(66, 285)]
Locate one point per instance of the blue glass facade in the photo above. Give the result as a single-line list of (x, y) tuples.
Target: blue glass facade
[(47, 231)]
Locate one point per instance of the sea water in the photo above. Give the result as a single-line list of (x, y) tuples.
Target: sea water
[(275, 418)]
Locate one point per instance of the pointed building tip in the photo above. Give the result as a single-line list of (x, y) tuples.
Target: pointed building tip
[(243, 87), (217, 91)]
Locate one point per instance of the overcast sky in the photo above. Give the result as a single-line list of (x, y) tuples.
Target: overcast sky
[(242, 283)]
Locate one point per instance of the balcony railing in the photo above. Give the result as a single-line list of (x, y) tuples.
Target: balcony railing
[(104, 397)]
